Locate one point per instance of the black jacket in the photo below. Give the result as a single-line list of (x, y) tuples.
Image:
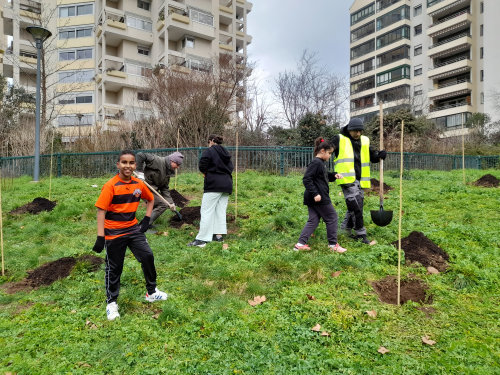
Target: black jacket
[(316, 181), (356, 146), (215, 164)]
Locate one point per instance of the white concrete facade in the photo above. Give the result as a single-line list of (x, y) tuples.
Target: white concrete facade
[(436, 57)]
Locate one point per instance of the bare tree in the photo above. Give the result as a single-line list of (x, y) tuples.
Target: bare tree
[(258, 113), (194, 103), (313, 89)]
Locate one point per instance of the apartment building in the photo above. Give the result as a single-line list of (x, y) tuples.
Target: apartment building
[(101, 51), (434, 56)]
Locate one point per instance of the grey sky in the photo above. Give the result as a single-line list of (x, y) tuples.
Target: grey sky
[(282, 29)]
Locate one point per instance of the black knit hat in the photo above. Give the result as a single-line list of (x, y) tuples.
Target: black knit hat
[(355, 124)]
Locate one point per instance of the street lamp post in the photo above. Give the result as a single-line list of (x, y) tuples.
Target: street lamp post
[(40, 35), (79, 116)]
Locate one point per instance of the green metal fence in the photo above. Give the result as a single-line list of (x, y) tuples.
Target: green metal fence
[(277, 160)]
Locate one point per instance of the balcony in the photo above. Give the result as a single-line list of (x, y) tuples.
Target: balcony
[(449, 68), (436, 8), (450, 109), (451, 89), (450, 24), (451, 46), (178, 25)]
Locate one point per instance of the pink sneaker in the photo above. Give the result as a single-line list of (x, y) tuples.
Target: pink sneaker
[(300, 247), (337, 248)]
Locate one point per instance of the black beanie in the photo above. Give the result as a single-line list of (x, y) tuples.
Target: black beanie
[(355, 124)]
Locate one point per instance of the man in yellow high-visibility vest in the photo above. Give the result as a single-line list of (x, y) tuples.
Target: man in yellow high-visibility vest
[(353, 156)]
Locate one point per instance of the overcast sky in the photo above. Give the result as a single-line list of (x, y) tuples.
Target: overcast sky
[(282, 29)]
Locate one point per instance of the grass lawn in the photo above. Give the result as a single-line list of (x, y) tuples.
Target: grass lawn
[(207, 325)]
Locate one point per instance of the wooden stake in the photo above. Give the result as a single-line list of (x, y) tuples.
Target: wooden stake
[(400, 212), (175, 179), (51, 158), (463, 151), (236, 182), (1, 225)]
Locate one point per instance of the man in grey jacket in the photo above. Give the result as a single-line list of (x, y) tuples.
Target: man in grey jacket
[(156, 171)]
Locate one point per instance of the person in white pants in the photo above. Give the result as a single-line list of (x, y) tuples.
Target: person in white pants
[(216, 166)]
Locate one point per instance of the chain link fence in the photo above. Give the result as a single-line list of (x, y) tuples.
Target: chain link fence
[(275, 160)]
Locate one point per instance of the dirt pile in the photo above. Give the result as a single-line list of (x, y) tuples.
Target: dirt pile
[(189, 216), (38, 205), (411, 290), (418, 248), (179, 199), (375, 189), (47, 273), (488, 180)]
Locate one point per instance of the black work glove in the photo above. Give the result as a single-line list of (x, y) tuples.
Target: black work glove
[(99, 244), (144, 224), (382, 154)]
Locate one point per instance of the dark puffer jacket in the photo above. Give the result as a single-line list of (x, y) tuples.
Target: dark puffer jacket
[(215, 164)]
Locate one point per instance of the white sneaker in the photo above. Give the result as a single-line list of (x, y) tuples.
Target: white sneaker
[(112, 311), (158, 295)]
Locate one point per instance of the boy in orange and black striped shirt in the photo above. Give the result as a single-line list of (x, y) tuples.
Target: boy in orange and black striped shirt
[(117, 229)]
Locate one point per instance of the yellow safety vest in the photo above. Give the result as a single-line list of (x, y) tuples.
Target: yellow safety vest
[(344, 163)]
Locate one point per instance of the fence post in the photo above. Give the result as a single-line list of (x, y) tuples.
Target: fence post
[(282, 161), (479, 162), (59, 165)]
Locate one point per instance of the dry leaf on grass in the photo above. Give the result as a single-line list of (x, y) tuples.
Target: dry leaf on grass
[(156, 316), (427, 340), (257, 300), (316, 328), (312, 298), (225, 246), (373, 242), (383, 350), (91, 325), (372, 313), (336, 274), (432, 271), (324, 333)]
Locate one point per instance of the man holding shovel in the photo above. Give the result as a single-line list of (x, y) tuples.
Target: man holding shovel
[(156, 171), (353, 156)]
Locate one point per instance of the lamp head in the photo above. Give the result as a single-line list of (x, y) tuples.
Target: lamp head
[(39, 33)]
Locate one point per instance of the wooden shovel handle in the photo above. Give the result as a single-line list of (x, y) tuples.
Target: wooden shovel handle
[(381, 130), (158, 194)]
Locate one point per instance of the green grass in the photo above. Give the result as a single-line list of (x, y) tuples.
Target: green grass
[(207, 326)]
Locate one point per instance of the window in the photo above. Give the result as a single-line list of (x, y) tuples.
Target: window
[(142, 4), (418, 50), (363, 13), (481, 30), (389, 57), (138, 23), (72, 120), (482, 98), (362, 49), (417, 11), (76, 32), (481, 6), (363, 67), (393, 36), (76, 10), (393, 16), (137, 70), (363, 31), (393, 75), (143, 96), (141, 50), (418, 112), (481, 75), (418, 29), (481, 52), (188, 42), (417, 90), (202, 17), (418, 70), (364, 84), (79, 54), (76, 76)]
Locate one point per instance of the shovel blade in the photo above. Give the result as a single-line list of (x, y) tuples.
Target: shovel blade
[(179, 216), (381, 217)]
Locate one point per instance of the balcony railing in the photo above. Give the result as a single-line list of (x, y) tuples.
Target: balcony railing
[(451, 16), (453, 83), (432, 2), (449, 40), (448, 106), (447, 62)]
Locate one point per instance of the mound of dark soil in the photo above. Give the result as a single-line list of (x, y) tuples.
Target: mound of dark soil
[(189, 216), (38, 205), (179, 199), (488, 180), (418, 248), (375, 189), (47, 273), (411, 290)]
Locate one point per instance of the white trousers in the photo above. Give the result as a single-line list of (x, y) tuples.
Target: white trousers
[(213, 215)]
